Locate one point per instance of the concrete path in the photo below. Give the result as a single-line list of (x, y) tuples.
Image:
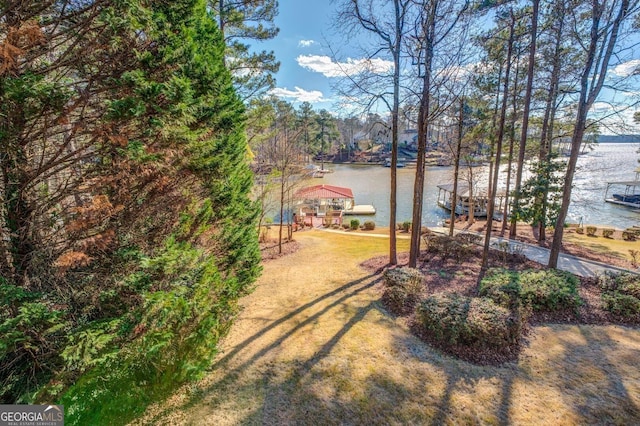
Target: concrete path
[(566, 262)]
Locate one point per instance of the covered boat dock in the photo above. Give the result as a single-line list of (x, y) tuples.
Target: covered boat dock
[(630, 197), (328, 201), (465, 201)]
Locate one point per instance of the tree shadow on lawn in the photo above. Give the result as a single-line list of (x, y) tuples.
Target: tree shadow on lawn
[(569, 374), (600, 390), (229, 376), (553, 379)]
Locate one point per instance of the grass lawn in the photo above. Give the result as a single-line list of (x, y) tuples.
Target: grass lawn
[(609, 246), (314, 345)]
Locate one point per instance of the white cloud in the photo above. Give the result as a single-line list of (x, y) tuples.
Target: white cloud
[(327, 67), (602, 108), (298, 95), (626, 69), (306, 43)]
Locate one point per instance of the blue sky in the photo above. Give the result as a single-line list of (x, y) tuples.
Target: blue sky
[(302, 46), (304, 28), (307, 70)]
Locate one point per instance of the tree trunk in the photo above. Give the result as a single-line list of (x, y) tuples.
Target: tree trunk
[(525, 115), (546, 136), (393, 203), (423, 126), (512, 141), (594, 71), (281, 213), (494, 182), (456, 169)]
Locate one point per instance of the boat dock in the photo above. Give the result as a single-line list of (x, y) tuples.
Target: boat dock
[(465, 201), (629, 197)]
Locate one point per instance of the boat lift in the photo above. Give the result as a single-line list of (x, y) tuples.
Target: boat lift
[(629, 198)]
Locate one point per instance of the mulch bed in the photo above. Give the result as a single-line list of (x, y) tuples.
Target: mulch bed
[(270, 249), (451, 276)]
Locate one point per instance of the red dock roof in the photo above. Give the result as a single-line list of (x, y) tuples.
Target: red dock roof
[(324, 191)]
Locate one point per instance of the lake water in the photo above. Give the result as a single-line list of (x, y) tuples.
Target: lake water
[(608, 162)]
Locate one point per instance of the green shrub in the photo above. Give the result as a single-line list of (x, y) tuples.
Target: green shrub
[(624, 283), (608, 232), (475, 322), (501, 286), (591, 231), (403, 287), (621, 304), (549, 289), (621, 293), (354, 224), (404, 277), (406, 225), (546, 290), (369, 225), (445, 247), (400, 300)]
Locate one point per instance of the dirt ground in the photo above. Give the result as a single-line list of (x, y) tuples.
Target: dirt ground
[(314, 345)]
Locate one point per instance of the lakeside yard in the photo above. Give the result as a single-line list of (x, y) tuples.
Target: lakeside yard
[(314, 345)]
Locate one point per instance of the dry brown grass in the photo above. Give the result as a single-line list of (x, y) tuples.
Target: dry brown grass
[(616, 247), (314, 346)]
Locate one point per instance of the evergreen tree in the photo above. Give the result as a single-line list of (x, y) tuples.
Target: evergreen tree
[(239, 21), (124, 167)]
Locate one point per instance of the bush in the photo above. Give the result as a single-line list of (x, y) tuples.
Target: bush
[(580, 230), (406, 226), (608, 232), (475, 322), (501, 286), (591, 231), (621, 304), (354, 224), (403, 287), (628, 236), (623, 282), (621, 294), (402, 277), (369, 225), (346, 226), (445, 247), (547, 290)]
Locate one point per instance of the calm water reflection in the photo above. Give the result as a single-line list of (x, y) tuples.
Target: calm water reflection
[(608, 162), (370, 185)]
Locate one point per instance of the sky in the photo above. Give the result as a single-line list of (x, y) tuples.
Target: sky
[(307, 42), (307, 71)]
